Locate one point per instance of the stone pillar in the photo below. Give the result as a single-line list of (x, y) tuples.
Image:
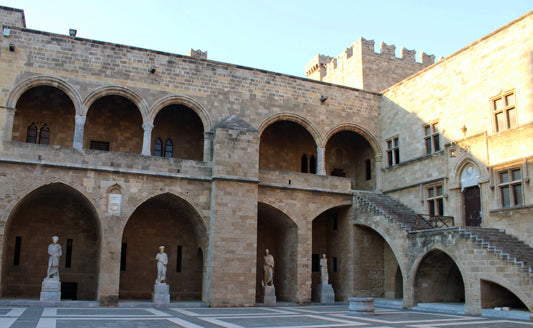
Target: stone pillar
[(6, 124), (472, 295), (147, 139), (78, 132), (109, 275), (379, 173), (208, 142), (321, 161), (231, 275)]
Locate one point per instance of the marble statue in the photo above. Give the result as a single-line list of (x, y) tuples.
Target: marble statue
[(162, 261), (55, 252), (268, 268), (324, 270)]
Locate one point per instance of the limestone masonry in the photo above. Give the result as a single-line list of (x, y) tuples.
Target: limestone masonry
[(412, 176)]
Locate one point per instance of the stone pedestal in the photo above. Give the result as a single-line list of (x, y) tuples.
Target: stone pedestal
[(51, 290), (361, 306), (270, 295), (161, 294), (325, 294)]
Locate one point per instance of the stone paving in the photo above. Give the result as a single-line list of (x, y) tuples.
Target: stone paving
[(251, 317)]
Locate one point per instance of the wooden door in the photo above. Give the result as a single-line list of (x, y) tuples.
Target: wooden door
[(472, 206)]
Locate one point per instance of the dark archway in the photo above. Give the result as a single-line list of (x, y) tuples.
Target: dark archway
[(376, 269), (114, 123), (44, 115), (183, 128), (494, 295), (163, 220), (438, 279), (52, 210), (283, 145), (350, 155), (278, 233)]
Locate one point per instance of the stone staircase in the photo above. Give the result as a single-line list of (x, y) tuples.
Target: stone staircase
[(497, 241)]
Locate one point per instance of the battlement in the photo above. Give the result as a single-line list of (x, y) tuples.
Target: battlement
[(361, 66), (12, 17), (197, 54)]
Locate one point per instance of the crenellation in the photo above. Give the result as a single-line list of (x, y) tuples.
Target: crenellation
[(426, 59), (407, 54), (12, 17), (387, 50)]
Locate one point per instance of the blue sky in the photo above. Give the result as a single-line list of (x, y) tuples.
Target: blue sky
[(279, 36)]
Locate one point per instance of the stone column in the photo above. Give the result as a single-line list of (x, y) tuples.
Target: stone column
[(109, 275), (147, 139), (379, 173), (208, 142), (78, 132), (321, 161), (9, 114)]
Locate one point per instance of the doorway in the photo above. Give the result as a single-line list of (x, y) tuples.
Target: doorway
[(472, 206)]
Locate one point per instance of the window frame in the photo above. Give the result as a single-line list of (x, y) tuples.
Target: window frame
[(432, 137), (435, 201), (393, 150), (504, 111), (510, 185)]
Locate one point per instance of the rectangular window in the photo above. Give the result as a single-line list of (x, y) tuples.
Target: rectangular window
[(123, 252), (368, 169), (510, 186), (16, 256), (315, 263), (504, 111), (432, 138), (178, 259), (99, 145), (68, 256), (335, 221), (435, 200), (334, 264), (393, 151)]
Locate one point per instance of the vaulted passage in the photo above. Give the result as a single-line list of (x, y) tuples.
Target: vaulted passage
[(279, 234), (348, 154), (51, 210), (164, 220), (494, 295), (178, 132), (287, 146), (114, 123), (44, 115), (438, 279), (376, 270)]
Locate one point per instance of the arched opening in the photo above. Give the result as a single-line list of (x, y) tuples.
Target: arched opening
[(44, 115), (52, 210), (350, 155), (376, 269), (114, 123), (180, 131), (494, 295), (279, 234), (283, 146), (438, 280), (163, 220)]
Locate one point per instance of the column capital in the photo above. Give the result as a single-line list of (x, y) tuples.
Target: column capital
[(148, 127)]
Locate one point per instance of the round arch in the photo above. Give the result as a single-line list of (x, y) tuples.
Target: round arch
[(44, 80), (509, 286), (180, 100), (52, 209), (136, 99), (357, 129), (310, 127)]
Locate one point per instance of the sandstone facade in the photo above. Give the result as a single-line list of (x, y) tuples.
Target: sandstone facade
[(119, 150)]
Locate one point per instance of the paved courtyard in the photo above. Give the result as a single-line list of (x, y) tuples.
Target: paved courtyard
[(193, 317)]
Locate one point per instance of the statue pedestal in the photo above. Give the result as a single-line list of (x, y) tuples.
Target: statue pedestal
[(161, 294), (270, 295), (51, 290), (326, 295)]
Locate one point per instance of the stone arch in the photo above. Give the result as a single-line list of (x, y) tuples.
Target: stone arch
[(52, 209), (430, 291), (131, 95), (460, 165), (528, 301), (181, 229), (357, 129), (44, 80), (330, 206), (181, 100), (277, 232), (308, 125)]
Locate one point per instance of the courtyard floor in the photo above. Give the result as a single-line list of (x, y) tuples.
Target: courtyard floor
[(196, 316)]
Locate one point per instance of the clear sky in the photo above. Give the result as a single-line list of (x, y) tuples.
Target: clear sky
[(280, 36)]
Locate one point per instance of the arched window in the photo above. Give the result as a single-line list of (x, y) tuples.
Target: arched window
[(44, 135), (31, 134), (168, 149), (158, 148), (304, 164), (312, 164)]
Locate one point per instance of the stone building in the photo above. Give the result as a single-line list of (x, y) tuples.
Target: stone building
[(118, 150)]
